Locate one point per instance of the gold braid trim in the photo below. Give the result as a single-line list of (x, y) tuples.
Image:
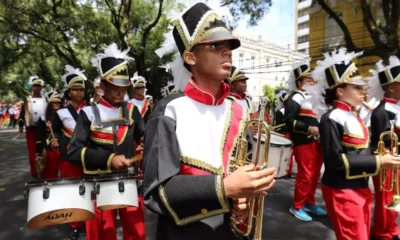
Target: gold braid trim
[(115, 71), (353, 135), (98, 171), (364, 174), (179, 28), (227, 125), (206, 23), (201, 165), (184, 221), (242, 124), (294, 128), (219, 186)]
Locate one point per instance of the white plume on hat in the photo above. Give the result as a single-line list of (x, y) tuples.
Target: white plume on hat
[(291, 82), (70, 70), (110, 51), (35, 78), (180, 73)]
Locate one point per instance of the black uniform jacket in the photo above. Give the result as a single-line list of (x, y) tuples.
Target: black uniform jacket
[(345, 140), (386, 111), (93, 145), (299, 118), (189, 140)]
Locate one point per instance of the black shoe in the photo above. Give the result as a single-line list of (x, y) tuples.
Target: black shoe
[(74, 235), (396, 238), (290, 176)]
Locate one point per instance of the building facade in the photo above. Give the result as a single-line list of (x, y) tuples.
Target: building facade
[(302, 29), (264, 62), (326, 35)]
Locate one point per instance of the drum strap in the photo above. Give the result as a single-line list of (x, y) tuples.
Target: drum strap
[(106, 124), (73, 112)]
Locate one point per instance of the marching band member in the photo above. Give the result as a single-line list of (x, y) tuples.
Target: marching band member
[(385, 86), (43, 137), (139, 95), (190, 137), (280, 120), (64, 125), (34, 106), (238, 87), (344, 139), (96, 149), (303, 129)]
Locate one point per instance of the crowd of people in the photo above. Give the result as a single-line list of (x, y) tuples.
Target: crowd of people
[(181, 148)]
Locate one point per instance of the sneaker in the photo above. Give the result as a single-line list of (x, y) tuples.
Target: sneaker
[(315, 209), (74, 234), (300, 214)]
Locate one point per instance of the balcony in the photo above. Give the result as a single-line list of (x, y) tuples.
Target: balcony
[(303, 32), (302, 19), (304, 45), (304, 4)]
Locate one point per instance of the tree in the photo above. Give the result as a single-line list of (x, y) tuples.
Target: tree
[(254, 9), (383, 34)]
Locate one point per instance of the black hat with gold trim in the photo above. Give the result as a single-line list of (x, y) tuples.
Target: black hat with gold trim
[(169, 89), (138, 81), (299, 69), (201, 25), (53, 96), (383, 75), (337, 68), (112, 65), (35, 80), (73, 78), (390, 73), (236, 75)]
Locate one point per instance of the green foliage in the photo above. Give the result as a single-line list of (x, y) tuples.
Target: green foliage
[(254, 9)]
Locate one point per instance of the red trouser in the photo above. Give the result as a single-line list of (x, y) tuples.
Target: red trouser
[(289, 171), (69, 170), (385, 226), (349, 211), (309, 162), (103, 226), (31, 144), (52, 164)]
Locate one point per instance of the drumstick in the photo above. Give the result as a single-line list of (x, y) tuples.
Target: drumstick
[(51, 130), (136, 158), (15, 138), (278, 126)]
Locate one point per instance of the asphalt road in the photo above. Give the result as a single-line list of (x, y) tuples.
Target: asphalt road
[(14, 172)]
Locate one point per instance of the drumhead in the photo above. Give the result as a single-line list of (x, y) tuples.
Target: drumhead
[(276, 140), (64, 181), (279, 141)]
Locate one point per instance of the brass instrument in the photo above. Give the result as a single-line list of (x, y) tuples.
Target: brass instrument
[(394, 174), (255, 219)]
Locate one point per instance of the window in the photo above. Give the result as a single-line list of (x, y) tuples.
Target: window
[(276, 63), (302, 1), (241, 60), (303, 39), (334, 36), (303, 25), (302, 50), (253, 61), (302, 13)]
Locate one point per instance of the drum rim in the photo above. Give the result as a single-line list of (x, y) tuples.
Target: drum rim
[(114, 177), (58, 181), (280, 145)]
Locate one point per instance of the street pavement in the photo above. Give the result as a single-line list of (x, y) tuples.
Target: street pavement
[(14, 172)]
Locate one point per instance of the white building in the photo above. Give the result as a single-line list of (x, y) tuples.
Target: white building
[(265, 63), (302, 29)]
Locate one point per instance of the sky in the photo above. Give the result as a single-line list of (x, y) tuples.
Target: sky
[(277, 26)]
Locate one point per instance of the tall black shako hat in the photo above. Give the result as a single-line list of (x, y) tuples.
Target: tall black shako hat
[(112, 65), (201, 25), (73, 77)]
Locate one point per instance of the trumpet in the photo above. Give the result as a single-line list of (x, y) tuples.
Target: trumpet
[(255, 218), (393, 184)]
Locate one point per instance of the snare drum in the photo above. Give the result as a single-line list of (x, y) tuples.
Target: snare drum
[(116, 191), (280, 149), (59, 201)]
